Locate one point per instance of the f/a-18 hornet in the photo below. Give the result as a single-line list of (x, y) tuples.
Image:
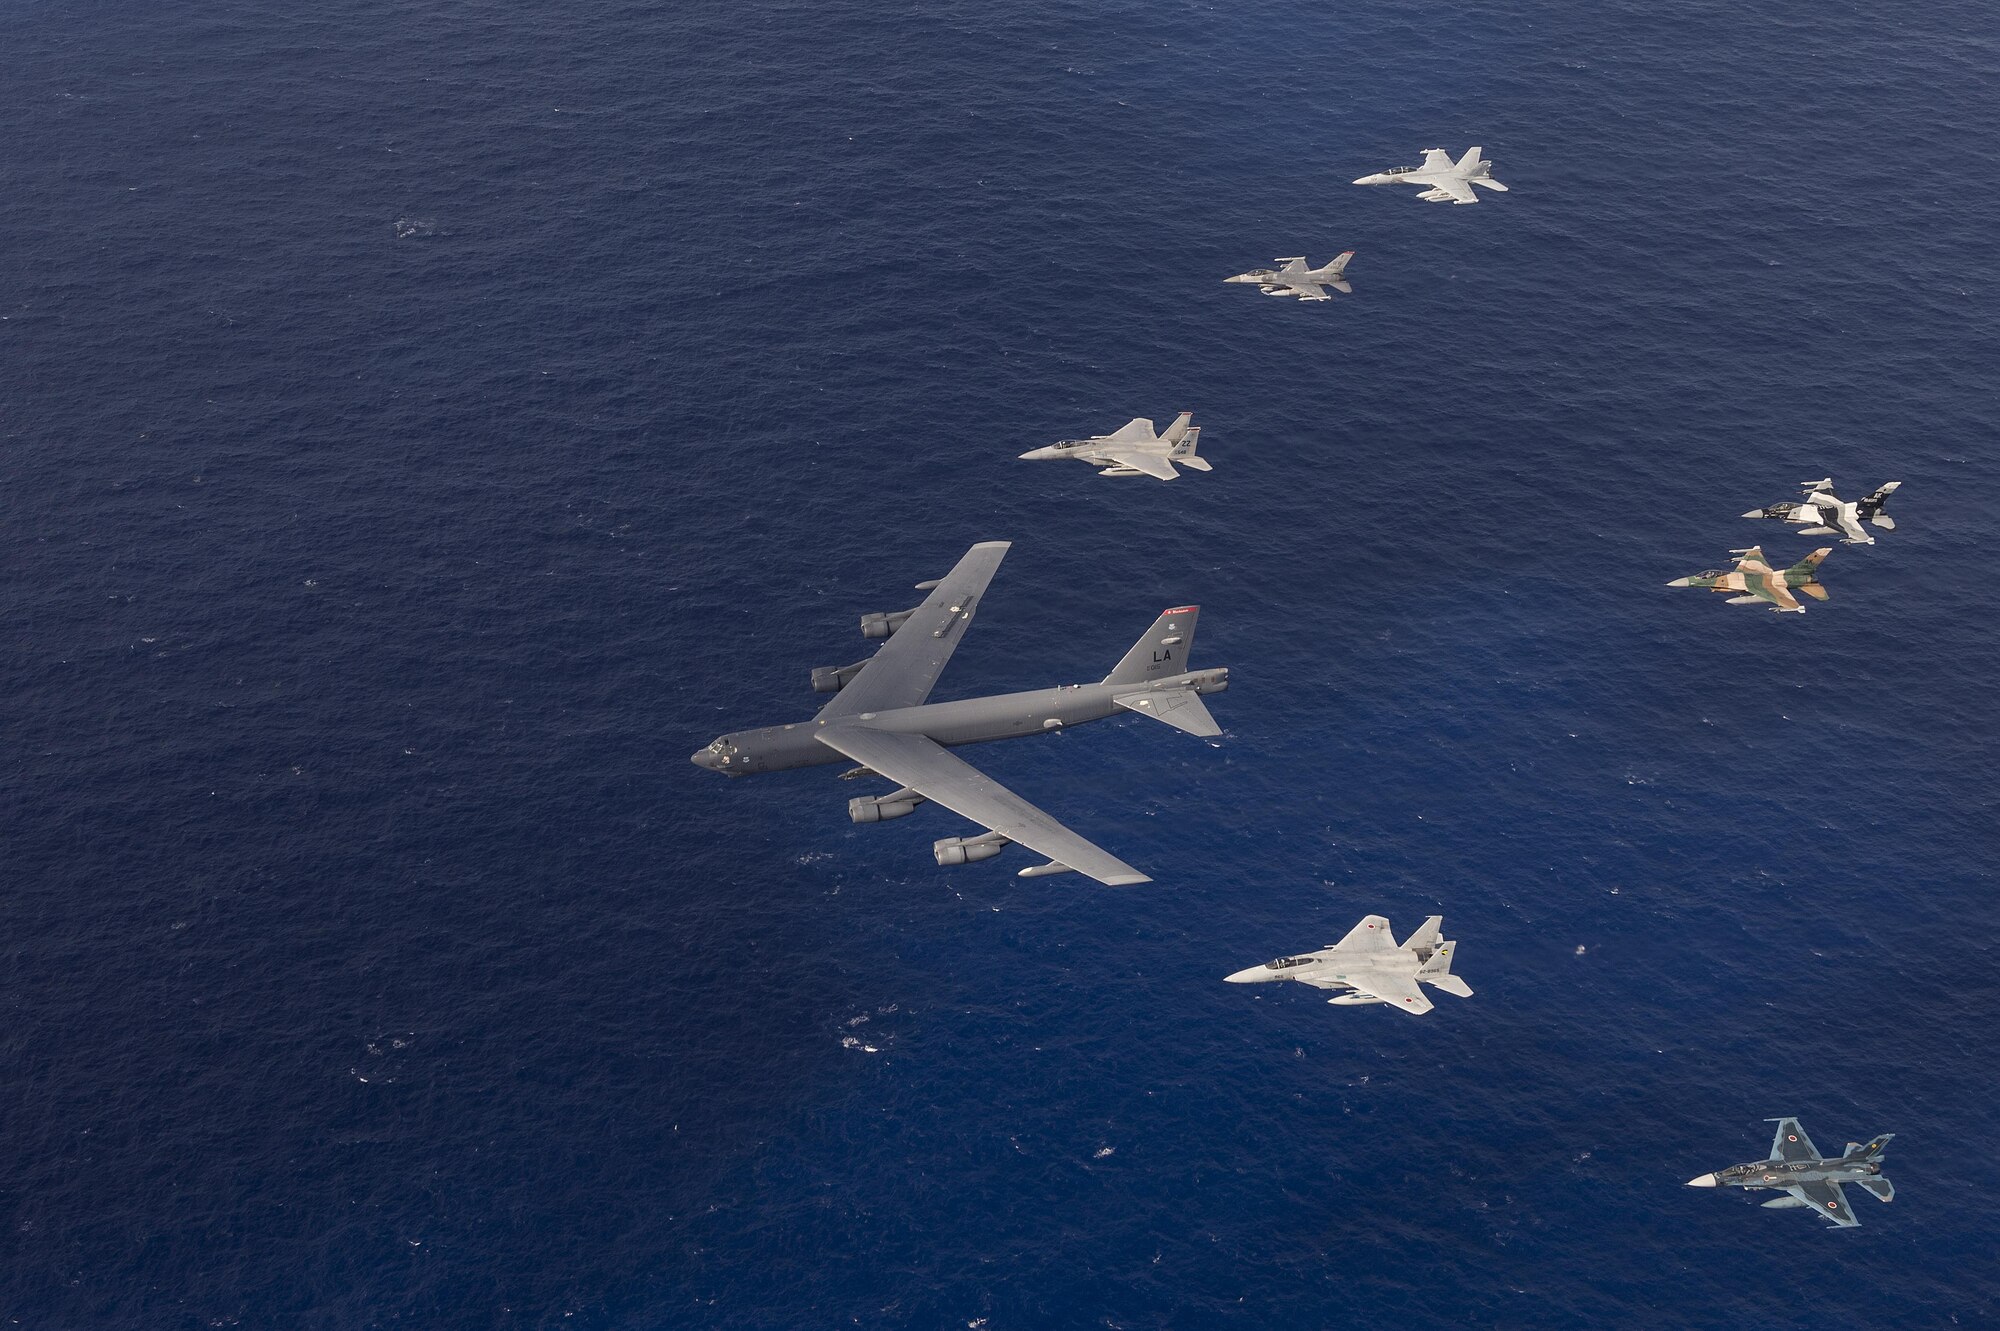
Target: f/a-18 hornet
[(1134, 451), (1295, 279), (1445, 181), (1758, 581), (1796, 1167), (1827, 515), (880, 718), (1370, 968)]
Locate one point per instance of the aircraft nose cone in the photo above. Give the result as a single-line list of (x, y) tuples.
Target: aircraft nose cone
[(1705, 1181), (704, 759), (1250, 976), (1369, 180), (1754, 513), (1037, 454)]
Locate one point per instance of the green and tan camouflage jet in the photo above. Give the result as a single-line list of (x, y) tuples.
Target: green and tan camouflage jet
[(1758, 581)]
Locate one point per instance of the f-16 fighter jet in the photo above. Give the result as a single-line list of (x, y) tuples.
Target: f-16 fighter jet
[(1829, 516), (881, 719), (1370, 968), (1760, 582), (1295, 279), (1134, 451), (1447, 181), (1796, 1167)]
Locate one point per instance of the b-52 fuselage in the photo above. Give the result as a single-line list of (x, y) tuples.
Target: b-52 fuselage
[(882, 719)]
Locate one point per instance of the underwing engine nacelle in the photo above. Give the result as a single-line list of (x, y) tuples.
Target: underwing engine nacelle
[(897, 804), (832, 679), (885, 622), (966, 849)]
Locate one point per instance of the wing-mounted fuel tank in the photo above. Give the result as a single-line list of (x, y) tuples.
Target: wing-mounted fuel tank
[(832, 679), (967, 849), (884, 623)]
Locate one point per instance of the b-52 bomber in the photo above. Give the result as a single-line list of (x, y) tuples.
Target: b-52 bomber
[(1295, 279), (881, 719), (1369, 967), (1827, 515), (1134, 450), (1446, 181), (1758, 581), (1797, 1168)]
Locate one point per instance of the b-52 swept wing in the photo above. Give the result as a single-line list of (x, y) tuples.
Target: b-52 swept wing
[(882, 719)]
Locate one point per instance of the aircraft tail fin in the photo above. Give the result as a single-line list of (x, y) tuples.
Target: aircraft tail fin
[(1162, 651), (1871, 507), (1182, 709), (1339, 265), (1881, 1189), (1808, 566), (1173, 434), (1470, 163), (1437, 972), (1184, 448), (1872, 1151), (1426, 936)]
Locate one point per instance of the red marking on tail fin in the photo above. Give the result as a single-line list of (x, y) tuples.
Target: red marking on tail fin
[(1181, 610)]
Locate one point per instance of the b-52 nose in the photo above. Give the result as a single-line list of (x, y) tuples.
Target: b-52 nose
[(704, 758)]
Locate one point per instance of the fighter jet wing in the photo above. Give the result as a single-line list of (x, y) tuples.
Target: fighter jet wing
[(1791, 1143), (926, 767), (1309, 290), (1153, 464), (1828, 1200), (1397, 991), (905, 670), (1137, 429), (1371, 935), (1437, 159), (1448, 187)]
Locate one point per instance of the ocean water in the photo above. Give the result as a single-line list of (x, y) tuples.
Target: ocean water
[(424, 424)]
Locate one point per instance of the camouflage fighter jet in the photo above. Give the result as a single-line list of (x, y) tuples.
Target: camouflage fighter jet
[(1830, 516), (1797, 1168), (1295, 279), (1758, 581)]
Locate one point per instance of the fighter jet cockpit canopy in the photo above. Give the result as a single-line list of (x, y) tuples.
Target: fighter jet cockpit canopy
[(1284, 963)]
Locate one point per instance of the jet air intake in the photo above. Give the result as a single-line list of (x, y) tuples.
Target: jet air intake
[(965, 850), (898, 804)]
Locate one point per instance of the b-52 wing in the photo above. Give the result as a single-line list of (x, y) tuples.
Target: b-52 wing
[(906, 669), (931, 770), (1828, 1200)]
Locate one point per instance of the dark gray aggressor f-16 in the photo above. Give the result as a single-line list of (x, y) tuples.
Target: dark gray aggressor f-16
[(1797, 1168), (881, 719)]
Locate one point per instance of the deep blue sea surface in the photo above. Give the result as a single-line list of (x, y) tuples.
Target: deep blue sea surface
[(425, 423)]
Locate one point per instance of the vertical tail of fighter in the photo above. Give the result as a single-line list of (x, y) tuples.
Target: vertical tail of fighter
[(1803, 576), (1182, 441), (1162, 652), (1437, 971)]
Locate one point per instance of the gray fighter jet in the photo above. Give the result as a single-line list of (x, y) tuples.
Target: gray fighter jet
[(1828, 515), (1797, 1168), (1370, 968), (1445, 181), (881, 719), (1134, 450), (1295, 279)]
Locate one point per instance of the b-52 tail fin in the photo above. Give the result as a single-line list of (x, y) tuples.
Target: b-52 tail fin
[(1163, 651)]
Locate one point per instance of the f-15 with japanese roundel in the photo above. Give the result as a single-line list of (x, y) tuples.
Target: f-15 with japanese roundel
[(1808, 1179), (1444, 180), (1369, 966), (1759, 583), (1299, 280), (881, 717), (1134, 450), (1823, 513)]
